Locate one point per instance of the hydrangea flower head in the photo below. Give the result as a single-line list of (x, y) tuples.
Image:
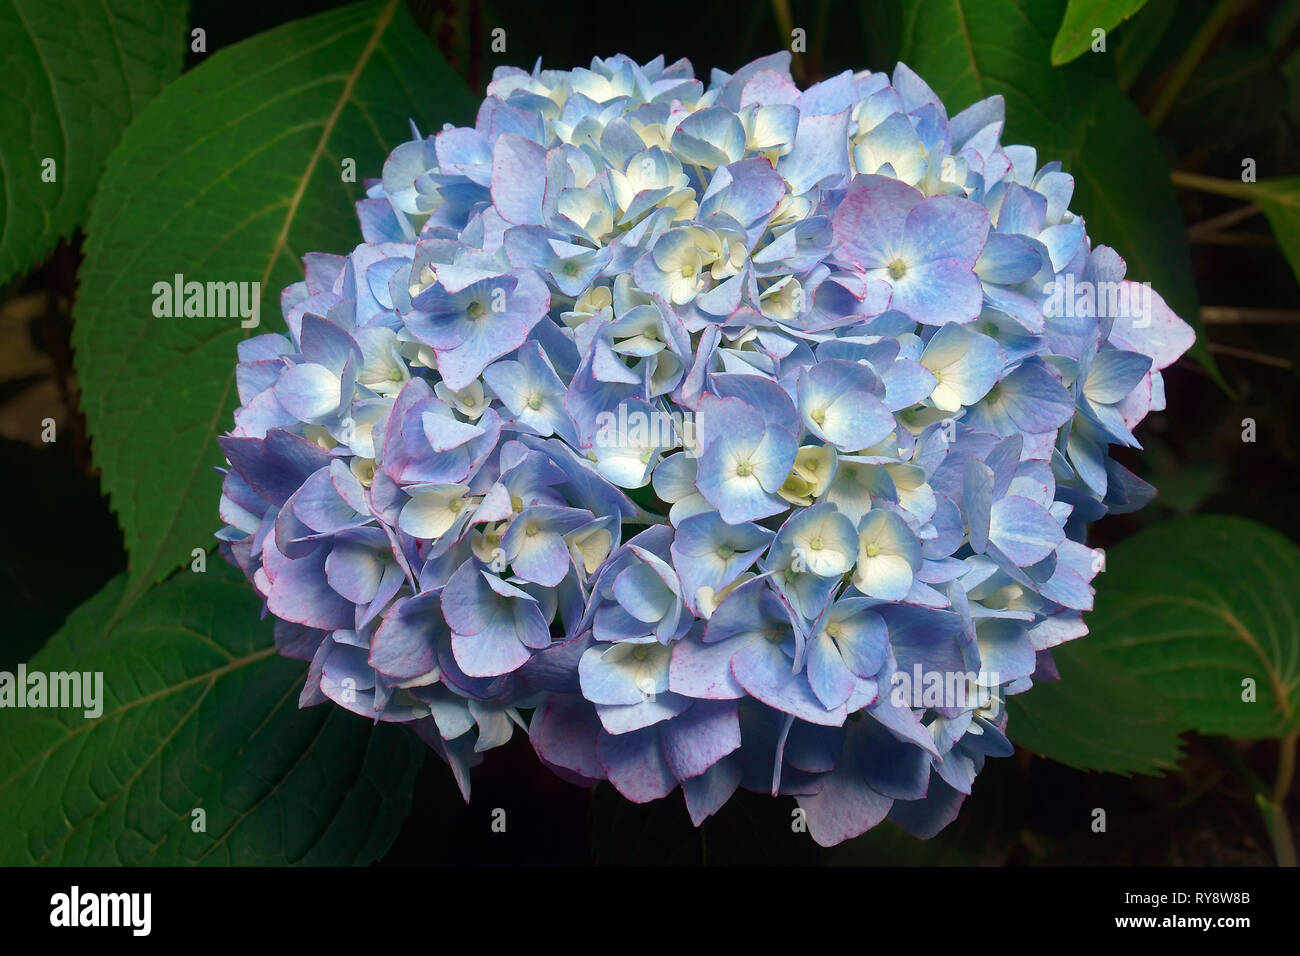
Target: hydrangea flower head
[(716, 435)]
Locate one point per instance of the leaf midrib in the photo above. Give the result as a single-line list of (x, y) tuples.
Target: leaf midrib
[(970, 48), (143, 579)]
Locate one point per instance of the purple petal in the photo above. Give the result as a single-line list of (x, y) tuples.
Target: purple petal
[(635, 765), (764, 670), (700, 737), (405, 644), (518, 179)]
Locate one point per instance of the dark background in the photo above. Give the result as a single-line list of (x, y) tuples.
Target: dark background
[(62, 542)]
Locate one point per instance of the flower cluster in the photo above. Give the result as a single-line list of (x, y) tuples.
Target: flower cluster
[(718, 436)]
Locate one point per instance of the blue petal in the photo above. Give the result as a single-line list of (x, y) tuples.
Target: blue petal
[(635, 765), (406, 644), (1113, 374), (700, 737), (820, 152), (1023, 530), (518, 179), (309, 392), (838, 404), (764, 670), (828, 676), (709, 552)]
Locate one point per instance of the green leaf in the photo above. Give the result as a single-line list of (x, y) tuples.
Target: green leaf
[(199, 712), (1235, 92), (1081, 18), (1280, 200), (1096, 717), (1283, 22), (1138, 41), (76, 73), (970, 49), (1130, 204), (229, 176), (1192, 607), (1185, 612)]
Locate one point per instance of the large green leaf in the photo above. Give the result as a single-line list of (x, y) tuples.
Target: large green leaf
[(1186, 611), (229, 176), (76, 73), (1128, 200), (1096, 717), (1081, 18), (970, 49), (1194, 606), (198, 713), (1139, 40)]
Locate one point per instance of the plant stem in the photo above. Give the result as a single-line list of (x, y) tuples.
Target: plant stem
[(1274, 810), (1234, 239), (785, 23), (1210, 184), (1191, 58), (1273, 361), (1230, 759), (1216, 224), (1232, 315), (643, 516)]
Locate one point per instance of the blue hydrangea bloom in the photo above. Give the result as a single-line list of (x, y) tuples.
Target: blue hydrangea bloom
[(716, 435)]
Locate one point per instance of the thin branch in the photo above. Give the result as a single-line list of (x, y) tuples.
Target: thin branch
[(1223, 220), (1249, 239), (1210, 184), (1238, 315), (785, 23), (1250, 356), (1279, 827)]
